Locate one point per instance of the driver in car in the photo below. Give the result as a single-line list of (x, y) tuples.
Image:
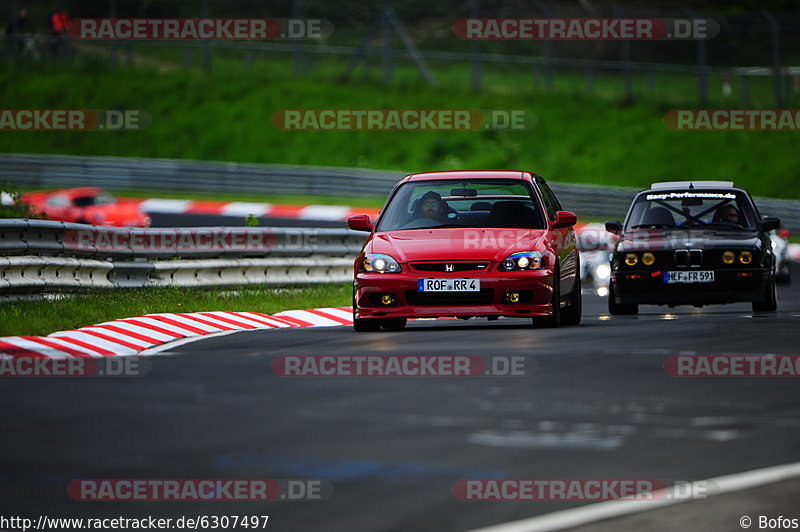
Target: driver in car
[(727, 214), (431, 205)]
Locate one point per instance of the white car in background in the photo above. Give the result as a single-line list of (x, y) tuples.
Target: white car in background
[(595, 245), (780, 247)]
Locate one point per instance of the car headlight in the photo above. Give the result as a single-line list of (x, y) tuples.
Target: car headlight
[(522, 260), (648, 258), (602, 271), (746, 257), (728, 257), (631, 259), (380, 263)]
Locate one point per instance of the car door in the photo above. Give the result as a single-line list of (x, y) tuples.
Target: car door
[(563, 240)]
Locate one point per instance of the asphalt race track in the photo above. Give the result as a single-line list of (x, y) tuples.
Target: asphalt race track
[(211, 220), (596, 403)]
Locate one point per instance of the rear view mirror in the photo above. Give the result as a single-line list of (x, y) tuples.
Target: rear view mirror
[(614, 226), (769, 223), (564, 219), (360, 222), (463, 192), (691, 202)]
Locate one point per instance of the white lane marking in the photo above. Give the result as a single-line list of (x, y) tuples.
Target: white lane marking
[(323, 212), (36, 347), (171, 206), (115, 348), (338, 312), (601, 511), (242, 208), (177, 343), (162, 325), (187, 321), (309, 317)]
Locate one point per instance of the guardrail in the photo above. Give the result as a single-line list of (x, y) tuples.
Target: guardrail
[(46, 256), (117, 173)]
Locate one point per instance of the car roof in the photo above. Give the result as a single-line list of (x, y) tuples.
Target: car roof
[(468, 174), (671, 185)]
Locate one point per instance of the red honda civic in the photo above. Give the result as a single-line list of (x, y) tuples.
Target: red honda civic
[(467, 244)]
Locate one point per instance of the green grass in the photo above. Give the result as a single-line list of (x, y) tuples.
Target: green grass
[(45, 317), (225, 115)]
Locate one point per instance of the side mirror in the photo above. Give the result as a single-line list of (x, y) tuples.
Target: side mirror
[(614, 226), (564, 219), (360, 222), (769, 223)]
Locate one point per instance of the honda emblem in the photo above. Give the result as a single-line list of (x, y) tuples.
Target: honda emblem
[(449, 267)]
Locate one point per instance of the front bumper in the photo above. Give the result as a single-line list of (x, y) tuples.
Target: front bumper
[(732, 285), (535, 288)]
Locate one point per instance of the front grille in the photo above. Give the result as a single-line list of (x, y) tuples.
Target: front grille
[(454, 266), (484, 297), (685, 258)]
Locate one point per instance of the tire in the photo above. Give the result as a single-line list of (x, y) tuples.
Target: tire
[(572, 314), (770, 303), (619, 309), (784, 275), (394, 324), (554, 320), (366, 325)]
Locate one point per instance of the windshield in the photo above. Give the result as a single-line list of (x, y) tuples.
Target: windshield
[(86, 201), (718, 209), (464, 203)]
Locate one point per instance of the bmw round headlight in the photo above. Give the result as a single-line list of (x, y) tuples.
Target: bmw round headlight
[(745, 257), (728, 257), (648, 258), (631, 259)]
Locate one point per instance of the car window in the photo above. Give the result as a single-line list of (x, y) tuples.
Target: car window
[(719, 209), (467, 203), (99, 199), (57, 202), (550, 201)]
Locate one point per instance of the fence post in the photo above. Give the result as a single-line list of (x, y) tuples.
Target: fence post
[(776, 53), (112, 43), (474, 50), (206, 43), (702, 83), (548, 46), (626, 57), (386, 30), (297, 58)]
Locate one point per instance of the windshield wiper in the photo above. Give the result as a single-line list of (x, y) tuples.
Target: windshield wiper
[(653, 226)]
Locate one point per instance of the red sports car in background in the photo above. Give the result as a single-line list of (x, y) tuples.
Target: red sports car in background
[(87, 205), (468, 244)]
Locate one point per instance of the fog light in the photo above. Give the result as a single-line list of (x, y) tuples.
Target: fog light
[(387, 299), (745, 257), (728, 257), (512, 297), (631, 259), (648, 259)]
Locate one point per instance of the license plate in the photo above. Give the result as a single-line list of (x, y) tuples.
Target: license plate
[(689, 277), (448, 285)]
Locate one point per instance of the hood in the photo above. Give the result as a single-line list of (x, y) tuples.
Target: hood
[(455, 243), (666, 240)]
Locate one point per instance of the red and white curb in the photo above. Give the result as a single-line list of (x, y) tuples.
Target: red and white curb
[(241, 209), (134, 336)]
